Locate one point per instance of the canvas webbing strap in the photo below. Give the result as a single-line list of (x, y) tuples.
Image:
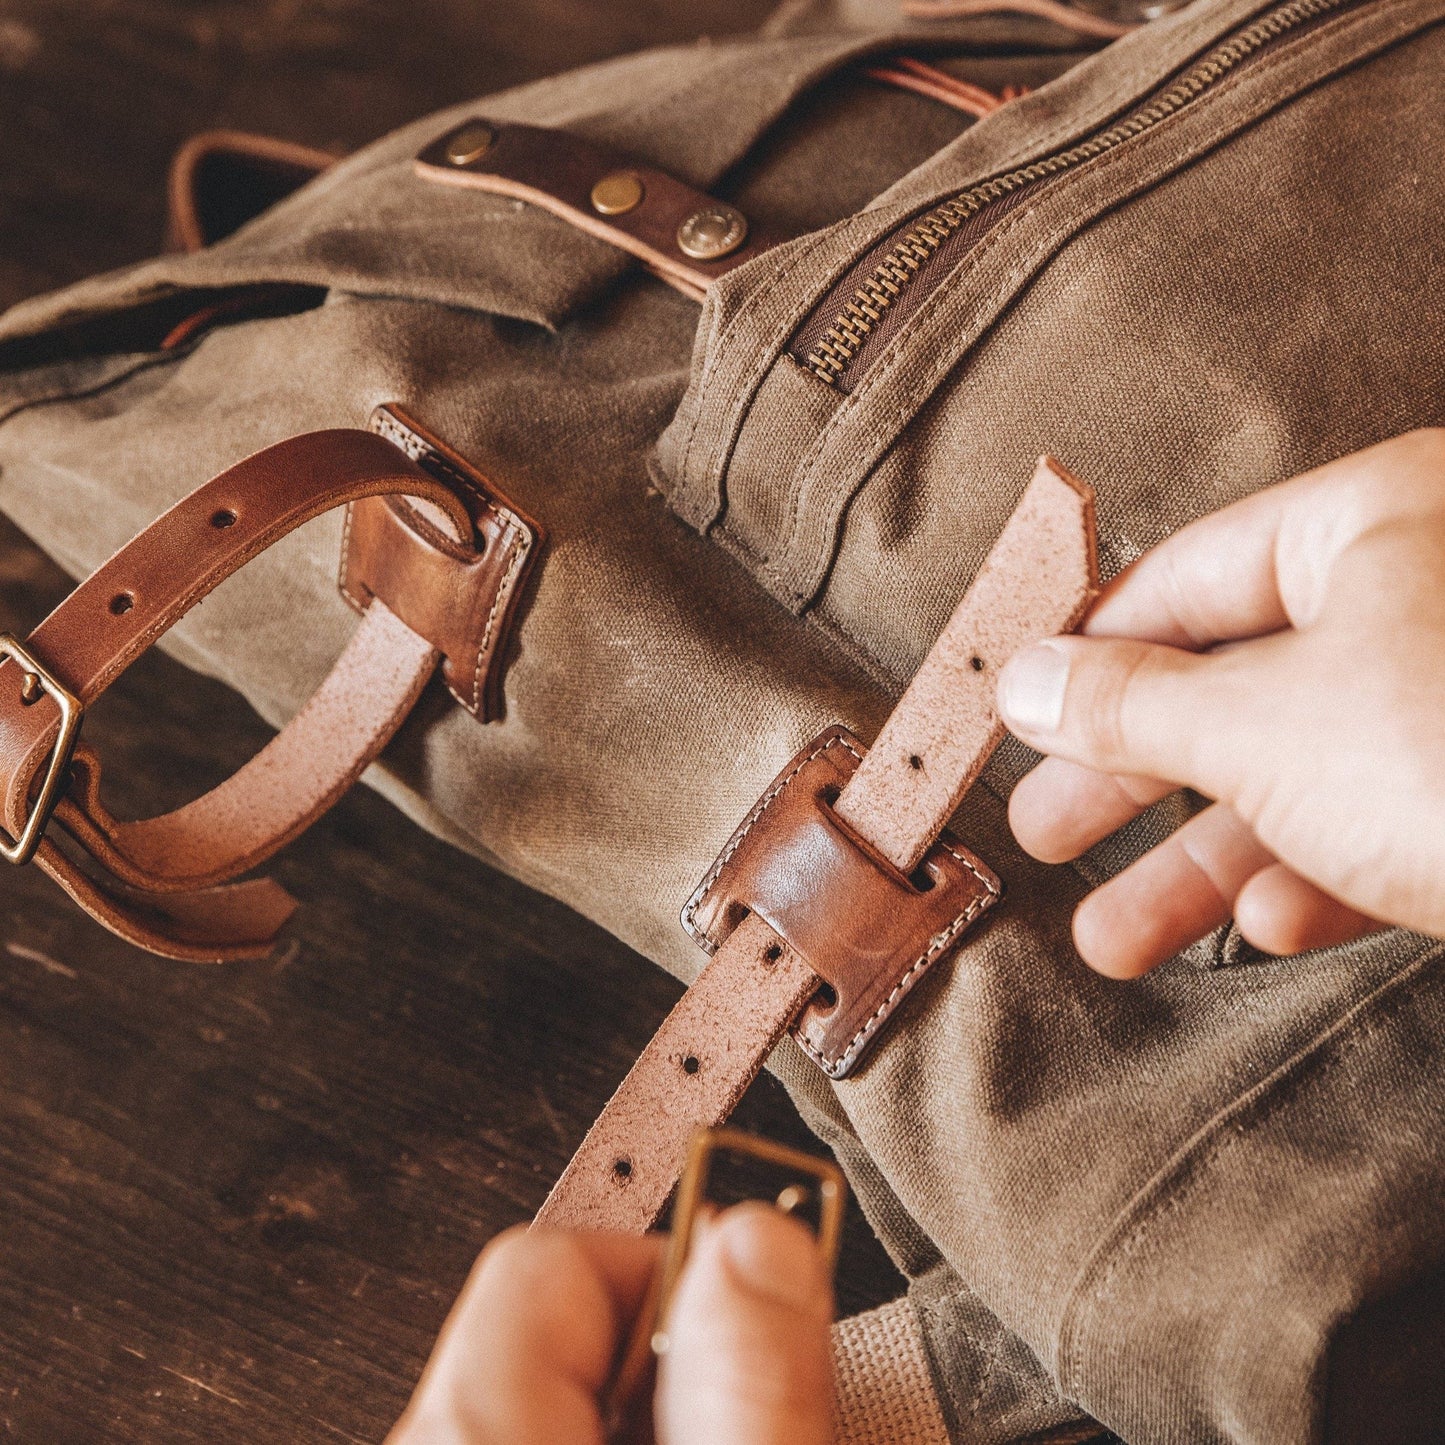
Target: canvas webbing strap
[(164, 882), (1038, 580), (884, 1391), (883, 1387)]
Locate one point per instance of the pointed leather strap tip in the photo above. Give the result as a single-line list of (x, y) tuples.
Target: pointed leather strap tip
[(227, 924)]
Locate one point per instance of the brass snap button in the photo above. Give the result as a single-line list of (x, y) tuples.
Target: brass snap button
[(713, 232), (618, 193), (471, 143)]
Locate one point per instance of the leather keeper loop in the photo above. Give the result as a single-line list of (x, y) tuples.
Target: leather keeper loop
[(460, 598), (867, 929)]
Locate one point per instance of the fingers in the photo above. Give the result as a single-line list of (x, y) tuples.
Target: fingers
[(1280, 912), (1061, 809), (1175, 894), (1211, 869), (1264, 563), (749, 1354), (1136, 709), (530, 1342)]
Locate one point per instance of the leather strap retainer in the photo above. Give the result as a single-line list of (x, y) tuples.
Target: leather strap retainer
[(868, 930), (462, 599)]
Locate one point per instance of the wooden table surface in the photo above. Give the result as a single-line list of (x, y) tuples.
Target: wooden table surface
[(235, 1203)]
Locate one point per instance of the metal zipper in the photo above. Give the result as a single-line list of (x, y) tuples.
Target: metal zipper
[(882, 288)]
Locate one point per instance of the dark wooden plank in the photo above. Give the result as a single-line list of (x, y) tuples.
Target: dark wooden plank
[(237, 1202)]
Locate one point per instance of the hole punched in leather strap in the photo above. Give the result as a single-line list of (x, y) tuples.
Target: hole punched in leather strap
[(865, 928), (164, 882), (684, 236)]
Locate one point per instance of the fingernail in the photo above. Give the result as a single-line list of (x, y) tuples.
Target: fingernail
[(771, 1255), (1032, 686)]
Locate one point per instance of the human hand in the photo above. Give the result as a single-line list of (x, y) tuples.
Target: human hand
[(529, 1347), (1286, 658)]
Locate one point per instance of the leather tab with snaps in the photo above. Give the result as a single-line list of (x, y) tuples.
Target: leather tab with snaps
[(684, 236)]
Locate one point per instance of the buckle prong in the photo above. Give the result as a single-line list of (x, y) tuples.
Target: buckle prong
[(38, 680)]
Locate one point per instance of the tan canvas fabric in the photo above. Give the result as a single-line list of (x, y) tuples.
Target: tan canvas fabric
[(1163, 1202)]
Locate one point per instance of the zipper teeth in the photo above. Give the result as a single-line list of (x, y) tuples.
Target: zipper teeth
[(832, 355)]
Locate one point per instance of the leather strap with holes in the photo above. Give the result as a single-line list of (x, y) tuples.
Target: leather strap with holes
[(1038, 580), (164, 882)]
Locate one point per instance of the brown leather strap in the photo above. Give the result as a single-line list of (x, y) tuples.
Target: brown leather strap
[(154, 881), (793, 858), (221, 178), (1039, 580), (654, 216), (693, 1073), (280, 792)]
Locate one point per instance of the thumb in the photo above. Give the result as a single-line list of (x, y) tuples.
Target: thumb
[(1133, 708), (749, 1361)]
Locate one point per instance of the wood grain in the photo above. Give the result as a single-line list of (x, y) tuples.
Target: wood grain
[(237, 1202)]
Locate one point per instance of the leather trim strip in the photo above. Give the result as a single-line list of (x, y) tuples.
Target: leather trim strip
[(274, 167)]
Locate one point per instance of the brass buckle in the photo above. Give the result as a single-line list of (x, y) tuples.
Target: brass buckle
[(649, 1338), (692, 1195), (22, 849)]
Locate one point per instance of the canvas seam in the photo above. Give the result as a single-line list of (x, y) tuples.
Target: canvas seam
[(1209, 1143), (898, 214)]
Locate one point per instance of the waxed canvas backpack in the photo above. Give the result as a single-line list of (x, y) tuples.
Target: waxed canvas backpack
[(598, 463)]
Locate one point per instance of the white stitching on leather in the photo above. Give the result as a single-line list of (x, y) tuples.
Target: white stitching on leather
[(345, 591), (759, 808), (520, 544), (938, 945), (518, 536)]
